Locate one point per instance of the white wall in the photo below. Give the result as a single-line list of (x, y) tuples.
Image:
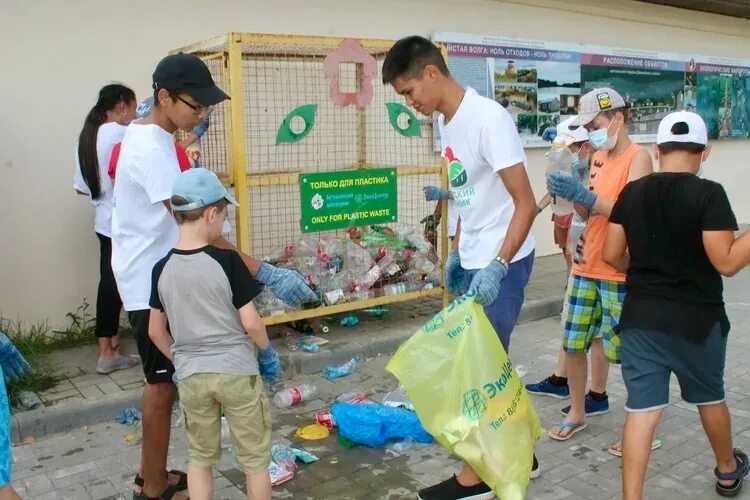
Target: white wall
[(56, 55)]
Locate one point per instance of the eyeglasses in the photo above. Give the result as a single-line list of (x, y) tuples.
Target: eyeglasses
[(197, 108)]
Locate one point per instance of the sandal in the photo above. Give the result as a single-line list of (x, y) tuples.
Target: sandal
[(655, 445), (182, 483), (562, 425), (168, 494), (738, 476)]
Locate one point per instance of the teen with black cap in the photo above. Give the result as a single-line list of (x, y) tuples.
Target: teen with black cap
[(144, 230)]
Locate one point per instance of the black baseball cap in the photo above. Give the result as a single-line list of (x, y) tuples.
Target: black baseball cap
[(188, 73)]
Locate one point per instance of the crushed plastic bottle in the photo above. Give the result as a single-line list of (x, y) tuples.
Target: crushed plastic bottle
[(294, 395), (291, 340), (28, 400), (284, 457), (308, 346), (334, 372), (349, 320), (398, 398), (378, 312)]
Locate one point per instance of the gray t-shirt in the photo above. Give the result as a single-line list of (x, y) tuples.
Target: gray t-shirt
[(201, 291)]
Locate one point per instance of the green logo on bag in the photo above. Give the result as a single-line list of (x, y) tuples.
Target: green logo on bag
[(434, 323), (475, 404)]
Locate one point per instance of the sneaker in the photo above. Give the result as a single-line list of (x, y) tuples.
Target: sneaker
[(107, 365), (451, 489), (593, 407), (535, 470), (546, 388)]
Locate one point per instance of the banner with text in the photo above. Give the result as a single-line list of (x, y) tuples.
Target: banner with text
[(540, 83), (339, 200)]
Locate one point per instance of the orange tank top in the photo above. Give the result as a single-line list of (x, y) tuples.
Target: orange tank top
[(608, 178)]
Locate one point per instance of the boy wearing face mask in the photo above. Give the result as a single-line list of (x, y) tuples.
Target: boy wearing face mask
[(576, 139), (674, 233), (597, 289), (556, 385)]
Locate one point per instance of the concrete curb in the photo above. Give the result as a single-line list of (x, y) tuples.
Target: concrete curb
[(65, 417)]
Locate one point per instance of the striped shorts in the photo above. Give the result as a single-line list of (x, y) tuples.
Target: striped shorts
[(593, 311)]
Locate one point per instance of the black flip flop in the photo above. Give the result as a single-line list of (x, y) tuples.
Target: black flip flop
[(738, 476)]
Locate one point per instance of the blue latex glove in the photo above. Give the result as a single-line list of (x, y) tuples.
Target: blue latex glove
[(287, 285), (432, 193), (202, 127), (487, 283), (12, 362), (565, 186), (455, 275), (269, 364)]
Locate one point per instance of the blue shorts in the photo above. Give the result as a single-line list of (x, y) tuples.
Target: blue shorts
[(504, 312), (649, 357), (5, 460)]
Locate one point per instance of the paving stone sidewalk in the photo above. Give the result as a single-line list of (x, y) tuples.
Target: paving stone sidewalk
[(81, 384), (98, 462)]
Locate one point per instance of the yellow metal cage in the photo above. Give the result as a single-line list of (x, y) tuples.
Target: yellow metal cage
[(267, 76)]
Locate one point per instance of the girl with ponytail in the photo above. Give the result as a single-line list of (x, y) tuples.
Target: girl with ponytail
[(103, 127)]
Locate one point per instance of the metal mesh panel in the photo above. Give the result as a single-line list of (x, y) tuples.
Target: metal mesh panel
[(280, 74)]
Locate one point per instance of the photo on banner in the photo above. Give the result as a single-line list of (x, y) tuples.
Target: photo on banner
[(652, 89), (540, 83)]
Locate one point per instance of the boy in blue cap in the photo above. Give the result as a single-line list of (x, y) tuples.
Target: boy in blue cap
[(206, 294)]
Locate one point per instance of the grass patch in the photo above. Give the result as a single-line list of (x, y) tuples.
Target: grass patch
[(38, 339)]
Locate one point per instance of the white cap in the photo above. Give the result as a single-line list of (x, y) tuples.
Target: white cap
[(571, 133), (696, 128), (596, 101)]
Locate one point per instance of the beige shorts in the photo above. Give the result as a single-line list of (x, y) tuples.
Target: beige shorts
[(246, 409)]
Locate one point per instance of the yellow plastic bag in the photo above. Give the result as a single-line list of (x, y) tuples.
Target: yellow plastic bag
[(468, 396)]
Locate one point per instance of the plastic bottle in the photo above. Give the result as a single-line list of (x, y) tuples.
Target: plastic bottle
[(284, 457), (349, 320), (347, 368), (378, 311), (560, 159), (226, 436), (308, 346), (294, 395), (291, 341)]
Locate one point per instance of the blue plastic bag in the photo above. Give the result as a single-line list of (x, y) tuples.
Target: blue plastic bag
[(373, 424)]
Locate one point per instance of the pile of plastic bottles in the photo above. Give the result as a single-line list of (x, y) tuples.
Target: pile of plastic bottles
[(366, 262)]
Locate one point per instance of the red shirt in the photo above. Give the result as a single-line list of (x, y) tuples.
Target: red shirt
[(182, 159)]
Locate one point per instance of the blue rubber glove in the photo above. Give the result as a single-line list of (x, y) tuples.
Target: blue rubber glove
[(202, 127), (12, 362), (432, 193), (287, 285), (455, 276), (269, 364), (565, 186), (487, 282)]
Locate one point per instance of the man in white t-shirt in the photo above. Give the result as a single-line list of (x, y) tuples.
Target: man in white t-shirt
[(143, 232), (493, 252)]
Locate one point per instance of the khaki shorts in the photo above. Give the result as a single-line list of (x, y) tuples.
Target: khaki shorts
[(246, 409)]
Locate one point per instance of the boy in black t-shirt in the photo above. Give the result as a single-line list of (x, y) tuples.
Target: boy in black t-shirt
[(674, 234)]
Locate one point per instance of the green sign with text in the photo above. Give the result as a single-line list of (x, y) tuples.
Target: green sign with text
[(339, 200)]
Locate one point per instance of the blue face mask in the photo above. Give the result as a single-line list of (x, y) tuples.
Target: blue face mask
[(601, 140)]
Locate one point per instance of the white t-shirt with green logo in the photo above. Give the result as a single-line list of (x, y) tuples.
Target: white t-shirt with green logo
[(478, 142)]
